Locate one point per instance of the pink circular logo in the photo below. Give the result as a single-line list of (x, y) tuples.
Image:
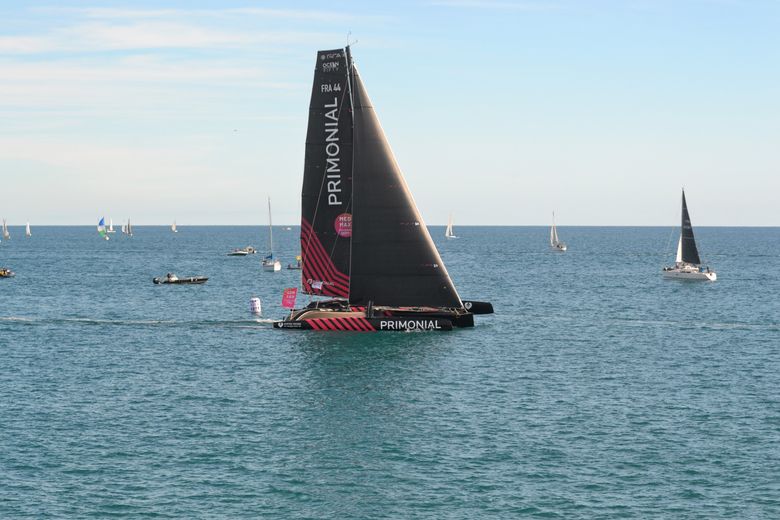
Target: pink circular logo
[(343, 225)]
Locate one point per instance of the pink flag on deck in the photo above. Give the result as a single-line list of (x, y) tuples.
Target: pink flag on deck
[(288, 297)]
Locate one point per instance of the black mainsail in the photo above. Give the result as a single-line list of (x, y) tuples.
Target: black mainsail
[(326, 205), (394, 260), (688, 252)]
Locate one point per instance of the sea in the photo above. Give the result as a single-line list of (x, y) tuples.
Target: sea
[(596, 390)]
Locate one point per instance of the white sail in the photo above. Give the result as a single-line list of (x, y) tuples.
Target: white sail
[(678, 259), (110, 225), (270, 263), (129, 228), (173, 227), (6, 234), (449, 233), (556, 242), (27, 231)]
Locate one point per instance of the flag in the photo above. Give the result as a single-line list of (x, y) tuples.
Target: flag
[(288, 297), (317, 285)]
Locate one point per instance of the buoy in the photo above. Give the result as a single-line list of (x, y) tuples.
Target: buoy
[(255, 306)]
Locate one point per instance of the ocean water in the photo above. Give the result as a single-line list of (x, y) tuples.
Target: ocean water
[(597, 390)]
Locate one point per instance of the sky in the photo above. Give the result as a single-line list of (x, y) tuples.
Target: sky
[(499, 111)]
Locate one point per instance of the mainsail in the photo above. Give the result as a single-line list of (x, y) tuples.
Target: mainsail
[(362, 237), (688, 252), (326, 205)]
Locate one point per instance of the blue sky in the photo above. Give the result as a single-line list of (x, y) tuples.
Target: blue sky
[(499, 111)]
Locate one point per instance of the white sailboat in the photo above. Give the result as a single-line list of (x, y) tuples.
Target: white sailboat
[(6, 234), (449, 233), (27, 231), (555, 243), (129, 229), (687, 264), (271, 264), (110, 226), (173, 227)]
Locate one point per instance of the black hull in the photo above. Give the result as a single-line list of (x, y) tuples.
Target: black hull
[(337, 315), (355, 324)]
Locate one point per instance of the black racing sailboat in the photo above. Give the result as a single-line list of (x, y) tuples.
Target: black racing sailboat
[(364, 244)]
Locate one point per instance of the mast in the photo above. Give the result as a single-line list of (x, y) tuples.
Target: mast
[(270, 229), (689, 252)]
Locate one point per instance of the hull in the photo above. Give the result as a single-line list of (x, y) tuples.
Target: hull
[(355, 319), (192, 280), (272, 267), (690, 275)]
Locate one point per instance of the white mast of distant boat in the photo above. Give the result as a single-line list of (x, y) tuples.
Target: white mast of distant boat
[(270, 264), (449, 233), (555, 243)]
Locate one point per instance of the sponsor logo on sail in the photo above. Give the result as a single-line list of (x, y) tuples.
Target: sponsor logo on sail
[(343, 225), (332, 153)]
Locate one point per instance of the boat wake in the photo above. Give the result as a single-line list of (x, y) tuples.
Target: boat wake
[(255, 323)]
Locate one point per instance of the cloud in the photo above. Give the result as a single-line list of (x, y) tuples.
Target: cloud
[(497, 5)]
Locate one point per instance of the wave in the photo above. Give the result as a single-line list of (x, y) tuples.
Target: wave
[(37, 320)]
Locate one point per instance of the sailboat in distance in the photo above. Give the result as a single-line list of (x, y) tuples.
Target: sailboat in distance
[(449, 233), (6, 234), (270, 263), (27, 231), (687, 264), (173, 227), (110, 226), (364, 244), (101, 229), (555, 243)]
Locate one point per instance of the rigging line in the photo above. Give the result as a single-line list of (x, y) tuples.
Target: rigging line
[(666, 249)]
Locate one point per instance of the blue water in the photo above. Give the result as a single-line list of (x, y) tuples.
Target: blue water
[(597, 390)]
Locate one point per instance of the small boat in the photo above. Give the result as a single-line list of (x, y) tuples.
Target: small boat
[(248, 250), (270, 264), (129, 229), (297, 264), (6, 234), (173, 227), (6, 272), (687, 264), (101, 229), (171, 278), (110, 226), (384, 272), (449, 233), (555, 243), (27, 231)]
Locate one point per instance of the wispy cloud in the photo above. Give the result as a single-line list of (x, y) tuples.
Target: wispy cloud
[(497, 5)]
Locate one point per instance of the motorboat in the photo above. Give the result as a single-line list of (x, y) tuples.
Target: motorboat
[(248, 250), (6, 272), (171, 278)]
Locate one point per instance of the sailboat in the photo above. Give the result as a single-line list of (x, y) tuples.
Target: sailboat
[(101, 229), (173, 227), (687, 264), (129, 229), (555, 243), (27, 231), (110, 226), (364, 245), (271, 264), (449, 233), (6, 234)]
